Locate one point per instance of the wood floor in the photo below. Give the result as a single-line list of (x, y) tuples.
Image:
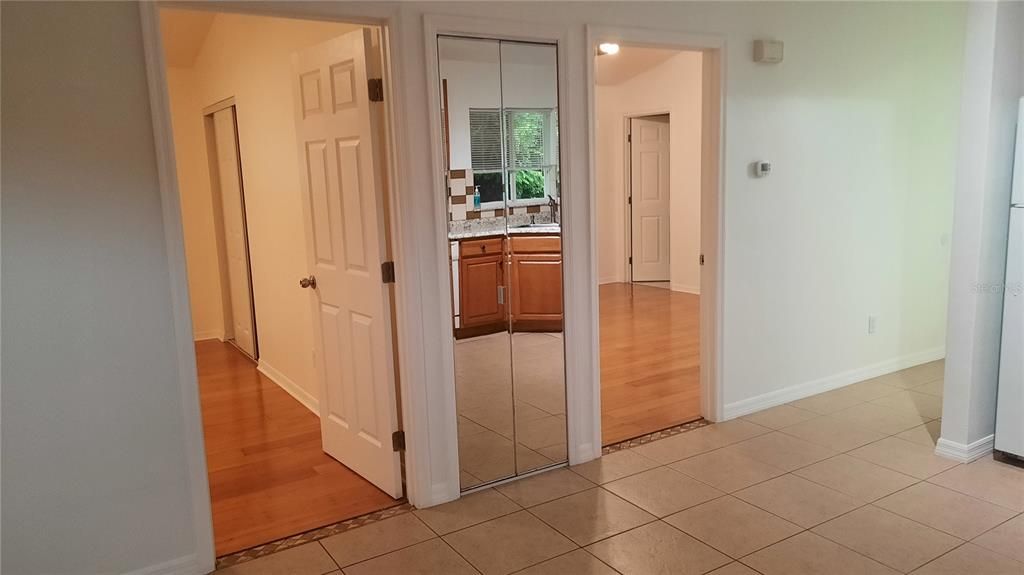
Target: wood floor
[(269, 477), (650, 359)]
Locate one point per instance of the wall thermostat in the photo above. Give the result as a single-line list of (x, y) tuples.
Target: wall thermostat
[(762, 169), (767, 51)]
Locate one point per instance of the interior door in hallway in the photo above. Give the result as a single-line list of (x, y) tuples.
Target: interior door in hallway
[(339, 135), (241, 327), (649, 198)]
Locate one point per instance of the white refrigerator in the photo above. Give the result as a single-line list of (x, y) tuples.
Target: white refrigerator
[(1010, 401)]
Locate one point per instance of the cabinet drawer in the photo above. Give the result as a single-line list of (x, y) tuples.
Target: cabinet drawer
[(536, 244), (481, 247)]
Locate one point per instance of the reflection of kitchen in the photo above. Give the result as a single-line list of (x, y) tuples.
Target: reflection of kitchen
[(499, 111)]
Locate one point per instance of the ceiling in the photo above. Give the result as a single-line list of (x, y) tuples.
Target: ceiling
[(184, 32), (631, 61)]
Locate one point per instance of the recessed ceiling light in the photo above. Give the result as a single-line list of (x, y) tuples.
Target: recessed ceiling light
[(607, 48)]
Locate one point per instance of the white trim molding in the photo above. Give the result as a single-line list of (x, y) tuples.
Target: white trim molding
[(695, 290), (208, 334), (184, 564), (286, 383), (965, 453), (807, 389)]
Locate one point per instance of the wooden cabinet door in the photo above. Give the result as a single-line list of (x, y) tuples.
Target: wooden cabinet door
[(536, 287), (481, 276)]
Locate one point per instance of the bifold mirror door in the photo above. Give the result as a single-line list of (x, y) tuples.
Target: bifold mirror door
[(499, 111)]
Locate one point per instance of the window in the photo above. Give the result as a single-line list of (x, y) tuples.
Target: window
[(523, 156)]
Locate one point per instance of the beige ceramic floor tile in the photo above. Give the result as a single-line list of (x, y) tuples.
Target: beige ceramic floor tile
[(888, 538), (915, 376), (376, 539), (591, 515), (509, 543), (782, 451), (987, 479), (780, 416), (614, 466), (544, 487), (656, 549), (910, 458), (727, 470), (810, 554), (680, 446), (541, 432), (972, 560), (857, 478), (1006, 539), (828, 402), (733, 526), (732, 431), (734, 568), (662, 491), (834, 434), (308, 559), (578, 562), (936, 388), (486, 455), (870, 389), (923, 404), (466, 511), (946, 510), (797, 500), (927, 434), (880, 418), (432, 557)]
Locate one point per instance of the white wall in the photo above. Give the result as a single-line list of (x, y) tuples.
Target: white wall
[(249, 58), (95, 469), (674, 86), (993, 83)]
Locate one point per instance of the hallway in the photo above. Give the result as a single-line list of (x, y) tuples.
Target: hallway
[(650, 359), (269, 477)]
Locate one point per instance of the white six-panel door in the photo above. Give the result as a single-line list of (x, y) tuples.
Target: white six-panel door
[(649, 188), (240, 328), (342, 186)]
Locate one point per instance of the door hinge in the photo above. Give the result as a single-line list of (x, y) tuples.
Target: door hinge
[(630, 199), (376, 89), (630, 260), (629, 138), (701, 259), (398, 441), (387, 272)]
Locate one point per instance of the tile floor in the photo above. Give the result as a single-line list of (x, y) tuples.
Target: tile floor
[(840, 483)]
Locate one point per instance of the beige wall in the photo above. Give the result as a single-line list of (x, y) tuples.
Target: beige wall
[(249, 58), (674, 86)]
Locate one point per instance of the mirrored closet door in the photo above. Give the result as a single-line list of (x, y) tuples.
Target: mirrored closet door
[(499, 111)]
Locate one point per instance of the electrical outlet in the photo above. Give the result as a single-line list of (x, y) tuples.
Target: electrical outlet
[(872, 324)]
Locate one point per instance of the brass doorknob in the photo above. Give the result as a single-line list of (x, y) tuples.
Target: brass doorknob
[(309, 282)]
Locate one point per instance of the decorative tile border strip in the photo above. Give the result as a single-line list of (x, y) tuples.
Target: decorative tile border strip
[(311, 535), (674, 430)]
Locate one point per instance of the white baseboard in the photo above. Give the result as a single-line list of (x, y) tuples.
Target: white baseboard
[(965, 453), (208, 334), (609, 280), (695, 290), (802, 390), (290, 386), (187, 565)]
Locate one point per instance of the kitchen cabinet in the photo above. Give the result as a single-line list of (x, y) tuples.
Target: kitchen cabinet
[(517, 278), (481, 274)]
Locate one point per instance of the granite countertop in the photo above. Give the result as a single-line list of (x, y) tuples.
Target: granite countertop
[(540, 230)]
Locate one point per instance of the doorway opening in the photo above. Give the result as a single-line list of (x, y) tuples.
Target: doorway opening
[(649, 149), (281, 149)]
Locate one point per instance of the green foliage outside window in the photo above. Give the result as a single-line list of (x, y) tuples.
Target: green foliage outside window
[(529, 184)]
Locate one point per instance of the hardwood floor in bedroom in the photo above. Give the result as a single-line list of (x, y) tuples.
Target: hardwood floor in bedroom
[(269, 477), (650, 359)]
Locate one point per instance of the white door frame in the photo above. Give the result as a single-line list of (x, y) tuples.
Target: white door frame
[(712, 193), (583, 408), (431, 472), (627, 185)]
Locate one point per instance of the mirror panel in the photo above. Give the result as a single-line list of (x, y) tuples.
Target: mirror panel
[(499, 112)]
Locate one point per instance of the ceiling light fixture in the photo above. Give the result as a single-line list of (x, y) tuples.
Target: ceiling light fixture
[(607, 48)]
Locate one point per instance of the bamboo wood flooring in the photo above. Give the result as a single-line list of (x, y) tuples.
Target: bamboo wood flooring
[(650, 359), (269, 477)]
